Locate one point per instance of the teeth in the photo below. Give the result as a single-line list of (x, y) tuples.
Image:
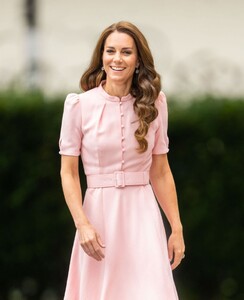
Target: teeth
[(117, 69)]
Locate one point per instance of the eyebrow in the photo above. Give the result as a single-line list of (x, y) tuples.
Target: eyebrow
[(124, 48)]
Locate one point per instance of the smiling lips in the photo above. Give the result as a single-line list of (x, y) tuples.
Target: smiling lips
[(117, 68)]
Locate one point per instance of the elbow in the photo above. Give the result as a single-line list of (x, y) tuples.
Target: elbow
[(61, 173), (68, 174), (160, 176), (64, 173), (155, 178), (156, 174)]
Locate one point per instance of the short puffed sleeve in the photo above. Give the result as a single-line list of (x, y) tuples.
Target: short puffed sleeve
[(161, 144), (71, 131)]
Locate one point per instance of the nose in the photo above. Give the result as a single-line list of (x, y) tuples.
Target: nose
[(117, 57)]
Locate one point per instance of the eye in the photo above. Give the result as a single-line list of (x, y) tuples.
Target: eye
[(127, 52), (109, 51)]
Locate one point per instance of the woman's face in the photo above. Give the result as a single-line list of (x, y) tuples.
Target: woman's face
[(120, 58)]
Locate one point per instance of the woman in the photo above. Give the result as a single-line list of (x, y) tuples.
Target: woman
[(119, 127)]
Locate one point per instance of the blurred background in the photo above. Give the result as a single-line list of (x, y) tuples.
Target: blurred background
[(198, 47)]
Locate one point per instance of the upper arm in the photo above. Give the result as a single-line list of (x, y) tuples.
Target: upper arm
[(69, 165), (161, 144), (71, 127)]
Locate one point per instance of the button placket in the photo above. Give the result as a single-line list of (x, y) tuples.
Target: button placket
[(122, 134)]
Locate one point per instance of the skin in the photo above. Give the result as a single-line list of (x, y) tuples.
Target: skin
[(89, 239), (162, 182), (119, 52), (120, 59)]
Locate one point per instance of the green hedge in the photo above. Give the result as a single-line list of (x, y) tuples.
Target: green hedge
[(36, 230), (207, 161)]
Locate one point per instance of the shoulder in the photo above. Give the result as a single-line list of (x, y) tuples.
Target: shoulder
[(89, 92), (75, 100), (161, 98), (71, 99), (161, 103)]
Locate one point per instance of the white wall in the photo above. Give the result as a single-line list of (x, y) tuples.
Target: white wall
[(198, 45), (12, 41)]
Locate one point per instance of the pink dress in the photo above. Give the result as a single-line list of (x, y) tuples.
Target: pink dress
[(100, 128)]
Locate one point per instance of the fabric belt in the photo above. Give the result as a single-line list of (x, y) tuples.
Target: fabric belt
[(118, 179)]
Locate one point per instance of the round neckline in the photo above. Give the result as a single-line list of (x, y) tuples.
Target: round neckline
[(113, 98)]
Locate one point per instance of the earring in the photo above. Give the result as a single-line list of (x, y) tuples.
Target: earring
[(102, 68), (137, 70)]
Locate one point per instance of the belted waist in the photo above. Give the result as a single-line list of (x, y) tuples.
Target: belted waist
[(117, 179)]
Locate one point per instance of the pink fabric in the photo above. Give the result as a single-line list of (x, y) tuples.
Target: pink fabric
[(100, 128)]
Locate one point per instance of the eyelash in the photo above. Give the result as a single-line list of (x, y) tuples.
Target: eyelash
[(126, 52)]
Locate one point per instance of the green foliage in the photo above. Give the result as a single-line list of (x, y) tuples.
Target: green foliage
[(36, 230), (35, 225), (207, 161)]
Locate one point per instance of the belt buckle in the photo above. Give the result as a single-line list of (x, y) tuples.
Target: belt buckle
[(119, 177)]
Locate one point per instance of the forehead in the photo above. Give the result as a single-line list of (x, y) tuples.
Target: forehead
[(120, 39)]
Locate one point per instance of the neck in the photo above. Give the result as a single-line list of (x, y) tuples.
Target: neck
[(116, 89)]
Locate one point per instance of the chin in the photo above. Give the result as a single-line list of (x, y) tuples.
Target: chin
[(118, 79)]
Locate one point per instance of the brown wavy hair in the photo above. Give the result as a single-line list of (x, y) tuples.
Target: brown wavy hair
[(146, 85)]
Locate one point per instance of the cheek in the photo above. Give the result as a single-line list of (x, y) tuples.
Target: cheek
[(132, 68), (105, 59), (132, 63)]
